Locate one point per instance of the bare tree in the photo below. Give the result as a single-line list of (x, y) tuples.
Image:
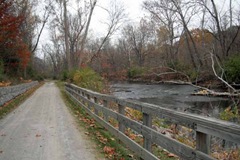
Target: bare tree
[(74, 27), (55, 52), (116, 17), (186, 12), (139, 38), (171, 12), (125, 48), (163, 14), (223, 37), (93, 4)]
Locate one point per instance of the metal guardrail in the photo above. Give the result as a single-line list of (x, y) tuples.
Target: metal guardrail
[(97, 105)]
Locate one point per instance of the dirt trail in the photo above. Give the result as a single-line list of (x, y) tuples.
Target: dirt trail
[(43, 129)]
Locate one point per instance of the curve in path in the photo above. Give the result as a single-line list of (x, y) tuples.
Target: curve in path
[(43, 129)]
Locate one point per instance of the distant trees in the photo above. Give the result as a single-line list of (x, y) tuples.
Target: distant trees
[(139, 39), (178, 35), (116, 16), (195, 30), (74, 28), (225, 27)]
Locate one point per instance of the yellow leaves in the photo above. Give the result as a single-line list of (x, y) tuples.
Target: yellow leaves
[(230, 155), (113, 122), (203, 92), (134, 114), (5, 84)]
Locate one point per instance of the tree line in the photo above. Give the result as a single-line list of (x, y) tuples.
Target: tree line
[(182, 35), (195, 38)]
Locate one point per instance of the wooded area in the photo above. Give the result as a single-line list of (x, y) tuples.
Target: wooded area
[(190, 40), (20, 31)]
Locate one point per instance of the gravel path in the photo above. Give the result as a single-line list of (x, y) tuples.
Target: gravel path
[(43, 129)]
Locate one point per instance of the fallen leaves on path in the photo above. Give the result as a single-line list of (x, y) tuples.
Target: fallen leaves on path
[(38, 135)]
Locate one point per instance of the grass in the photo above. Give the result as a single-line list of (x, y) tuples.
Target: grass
[(104, 138), (105, 141), (14, 103)]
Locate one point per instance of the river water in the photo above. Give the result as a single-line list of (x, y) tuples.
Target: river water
[(177, 97)]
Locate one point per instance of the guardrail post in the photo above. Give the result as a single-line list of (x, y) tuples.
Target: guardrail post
[(147, 121), (95, 109), (203, 142), (105, 104), (121, 110), (89, 98)]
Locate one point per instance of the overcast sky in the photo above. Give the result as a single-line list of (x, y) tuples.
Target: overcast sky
[(133, 10)]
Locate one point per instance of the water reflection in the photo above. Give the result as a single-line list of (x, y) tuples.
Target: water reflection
[(177, 97)]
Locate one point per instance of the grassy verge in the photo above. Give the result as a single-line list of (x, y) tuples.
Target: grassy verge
[(14, 103), (106, 142)]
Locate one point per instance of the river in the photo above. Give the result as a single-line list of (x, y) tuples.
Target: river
[(176, 97)]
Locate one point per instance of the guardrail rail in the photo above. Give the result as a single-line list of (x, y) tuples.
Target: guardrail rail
[(98, 106)]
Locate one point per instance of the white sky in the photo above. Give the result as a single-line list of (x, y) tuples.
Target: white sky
[(133, 10)]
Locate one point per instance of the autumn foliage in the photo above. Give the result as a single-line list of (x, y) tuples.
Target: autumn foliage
[(14, 53)]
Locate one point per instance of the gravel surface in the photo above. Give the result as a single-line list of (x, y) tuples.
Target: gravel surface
[(42, 128)]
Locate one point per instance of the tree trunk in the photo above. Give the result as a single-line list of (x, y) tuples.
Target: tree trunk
[(230, 10), (86, 30), (66, 34)]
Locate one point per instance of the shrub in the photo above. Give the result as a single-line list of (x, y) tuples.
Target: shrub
[(232, 69), (68, 75), (184, 68), (88, 78), (135, 72), (64, 75), (230, 114)]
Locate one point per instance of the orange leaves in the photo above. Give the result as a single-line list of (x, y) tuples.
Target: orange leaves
[(231, 155), (16, 52), (109, 152), (23, 53), (9, 24), (5, 84), (90, 122), (199, 37)]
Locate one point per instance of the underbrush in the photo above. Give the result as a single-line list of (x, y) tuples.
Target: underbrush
[(88, 78)]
